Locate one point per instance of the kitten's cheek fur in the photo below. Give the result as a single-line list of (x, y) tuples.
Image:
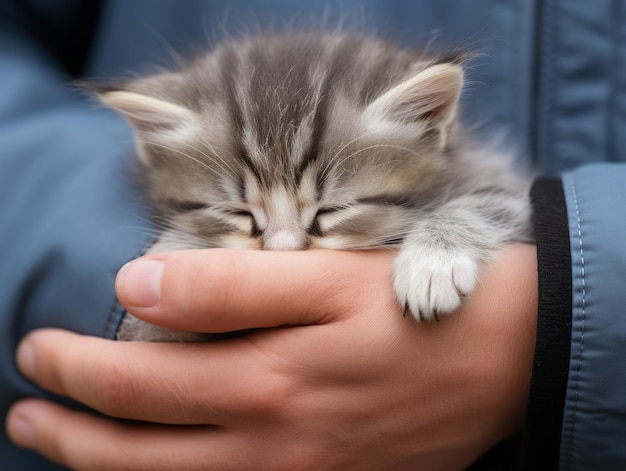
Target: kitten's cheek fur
[(432, 282)]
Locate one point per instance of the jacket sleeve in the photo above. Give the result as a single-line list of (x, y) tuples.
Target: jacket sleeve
[(69, 214), (577, 410), (594, 422)]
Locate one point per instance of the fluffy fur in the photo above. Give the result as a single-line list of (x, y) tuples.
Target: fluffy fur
[(336, 141)]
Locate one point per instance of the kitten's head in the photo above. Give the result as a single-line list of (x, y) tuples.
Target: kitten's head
[(294, 142)]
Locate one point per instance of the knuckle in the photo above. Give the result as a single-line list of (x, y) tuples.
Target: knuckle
[(68, 449), (115, 393), (216, 278), (270, 397), (227, 269), (58, 448), (51, 365), (301, 456)]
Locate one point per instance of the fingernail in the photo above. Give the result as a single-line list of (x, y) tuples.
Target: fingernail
[(26, 359), (21, 431), (139, 283)]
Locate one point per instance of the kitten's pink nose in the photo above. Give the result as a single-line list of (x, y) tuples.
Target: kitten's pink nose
[(284, 240)]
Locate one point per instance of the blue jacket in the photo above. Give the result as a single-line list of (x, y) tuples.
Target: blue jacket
[(552, 79)]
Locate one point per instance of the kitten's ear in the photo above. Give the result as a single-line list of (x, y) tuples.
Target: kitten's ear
[(430, 96), (148, 114)]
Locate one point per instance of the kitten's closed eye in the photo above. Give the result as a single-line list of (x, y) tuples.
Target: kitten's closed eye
[(184, 206), (315, 229), (240, 212), (330, 210), (255, 231)]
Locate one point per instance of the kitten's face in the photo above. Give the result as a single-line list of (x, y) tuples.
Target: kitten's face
[(294, 143)]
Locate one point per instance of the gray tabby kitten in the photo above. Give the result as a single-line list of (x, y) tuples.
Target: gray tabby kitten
[(335, 141)]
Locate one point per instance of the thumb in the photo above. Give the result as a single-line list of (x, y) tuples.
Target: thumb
[(219, 290)]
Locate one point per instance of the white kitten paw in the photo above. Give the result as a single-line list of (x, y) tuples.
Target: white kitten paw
[(429, 282)]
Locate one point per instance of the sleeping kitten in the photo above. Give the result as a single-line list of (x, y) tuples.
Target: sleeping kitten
[(336, 141)]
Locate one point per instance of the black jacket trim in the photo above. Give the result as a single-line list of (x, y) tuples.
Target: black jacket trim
[(542, 435)]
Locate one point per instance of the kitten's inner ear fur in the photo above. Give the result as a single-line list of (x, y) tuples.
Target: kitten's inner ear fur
[(429, 97), (148, 114)]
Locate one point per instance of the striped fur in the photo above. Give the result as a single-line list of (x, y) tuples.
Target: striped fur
[(319, 140)]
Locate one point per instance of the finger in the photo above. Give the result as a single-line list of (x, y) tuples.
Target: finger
[(224, 290), (211, 383), (87, 442)]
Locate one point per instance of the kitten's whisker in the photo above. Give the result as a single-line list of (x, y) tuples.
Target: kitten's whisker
[(221, 163), (359, 137), (336, 163), (142, 230), (183, 240), (373, 146), (180, 239), (344, 147), (199, 162), (218, 160)]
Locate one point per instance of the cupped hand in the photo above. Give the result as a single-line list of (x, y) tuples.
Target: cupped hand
[(334, 378)]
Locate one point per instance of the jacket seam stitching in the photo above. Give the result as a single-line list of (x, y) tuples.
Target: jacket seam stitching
[(547, 83), (616, 14), (114, 321), (583, 305)]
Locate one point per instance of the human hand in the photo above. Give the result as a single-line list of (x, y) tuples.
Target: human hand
[(351, 385)]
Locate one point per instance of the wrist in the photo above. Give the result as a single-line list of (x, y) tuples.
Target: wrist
[(499, 337)]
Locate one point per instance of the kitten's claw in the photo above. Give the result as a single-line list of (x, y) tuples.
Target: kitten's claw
[(419, 317), (431, 282)]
